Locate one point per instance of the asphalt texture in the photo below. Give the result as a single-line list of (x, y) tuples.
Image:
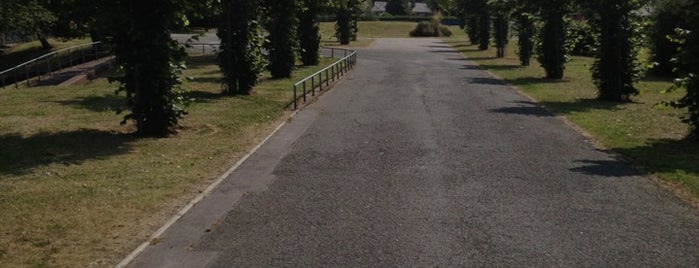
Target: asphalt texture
[(420, 159)]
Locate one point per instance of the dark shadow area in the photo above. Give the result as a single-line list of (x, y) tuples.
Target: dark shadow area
[(485, 81), (481, 58), (109, 102), (20, 155), (444, 51), (500, 67), (199, 79), (439, 46), (205, 96), (667, 155), (201, 61), (580, 105), (606, 168), (534, 80), (656, 78), (464, 49), (458, 59), (471, 67), (533, 110)]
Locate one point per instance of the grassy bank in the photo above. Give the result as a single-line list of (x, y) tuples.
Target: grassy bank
[(649, 135), (78, 190)]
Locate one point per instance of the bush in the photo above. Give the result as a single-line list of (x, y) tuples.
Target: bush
[(430, 29), (582, 38), (667, 16)]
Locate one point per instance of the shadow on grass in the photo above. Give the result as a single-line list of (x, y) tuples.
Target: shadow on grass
[(108, 102), (471, 67), (500, 67), (199, 79), (21, 154), (524, 108), (667, 155), (579, 105), (480, 58), (205, 96), (13, 59), (197, 62), (485, 81), (606, 168), (444, 51), (523, 81)]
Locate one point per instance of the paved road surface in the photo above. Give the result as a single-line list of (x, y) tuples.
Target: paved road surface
[(419, 159)]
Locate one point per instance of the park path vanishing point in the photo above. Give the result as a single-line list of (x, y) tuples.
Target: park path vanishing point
[(420, 159)]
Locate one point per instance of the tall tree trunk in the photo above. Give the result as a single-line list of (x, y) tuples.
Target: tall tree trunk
[(44, 42)]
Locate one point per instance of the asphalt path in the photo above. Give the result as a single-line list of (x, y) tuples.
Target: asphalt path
[(420, 159)]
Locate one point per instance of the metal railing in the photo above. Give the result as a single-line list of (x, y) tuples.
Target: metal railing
[(203, 48), (332, 72), (47, 64)]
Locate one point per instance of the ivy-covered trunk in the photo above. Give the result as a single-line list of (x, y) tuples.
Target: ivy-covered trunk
[(309, 32), (151, 62), (343, 26), (502, 26), (552, 51), (615, 66), (525, 29), (484, 30), (472, 29), (240, 57), (282, 45)]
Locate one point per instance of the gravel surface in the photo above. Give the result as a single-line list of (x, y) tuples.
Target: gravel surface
[(419, 159)]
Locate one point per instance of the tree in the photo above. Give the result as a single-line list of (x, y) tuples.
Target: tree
[(282, 41), (551, 50), (309, 31), (484, 29), (501, 9), (524, 22), (616, 66), (150, 60), (240, 58), (688, 70), (397, 7), (666, 17), (27, 17), (347, 13)]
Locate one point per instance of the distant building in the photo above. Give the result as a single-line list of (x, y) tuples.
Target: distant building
[(379, 7), (417, 8), (421, 9)]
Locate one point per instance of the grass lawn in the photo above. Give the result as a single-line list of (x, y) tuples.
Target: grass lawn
[(649, 135), (368, 31), (77, 190), (24, 52)]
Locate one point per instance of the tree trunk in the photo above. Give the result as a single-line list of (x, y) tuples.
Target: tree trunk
[(44, 42)]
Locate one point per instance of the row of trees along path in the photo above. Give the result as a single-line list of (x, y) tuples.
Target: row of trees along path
[(612, 30), (151, 79)]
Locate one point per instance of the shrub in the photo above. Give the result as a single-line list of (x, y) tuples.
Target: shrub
[(430, 29), (582, 38)]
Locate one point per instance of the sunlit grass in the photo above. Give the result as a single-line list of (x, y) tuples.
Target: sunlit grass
[(77, 189), (650, 135)]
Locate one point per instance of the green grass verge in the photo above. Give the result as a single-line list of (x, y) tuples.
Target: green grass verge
[(651, 136), (24, 52), (368, 31), (77, 190)]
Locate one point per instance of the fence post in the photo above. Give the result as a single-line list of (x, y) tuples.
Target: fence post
[(327, 78), (295, 98), (313, 85), (304, 91), (320, 81)]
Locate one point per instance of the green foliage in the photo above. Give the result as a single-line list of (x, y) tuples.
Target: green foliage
[(309, 31), (282, 41), (484, 30), (28, 17), (343, 27), (551, 47), (501, 10), (472, 29), (616, 66), (667, 16), (582, 38), (525, 32), (688, 70), (150, 60), (430, 29), (240, 57)]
